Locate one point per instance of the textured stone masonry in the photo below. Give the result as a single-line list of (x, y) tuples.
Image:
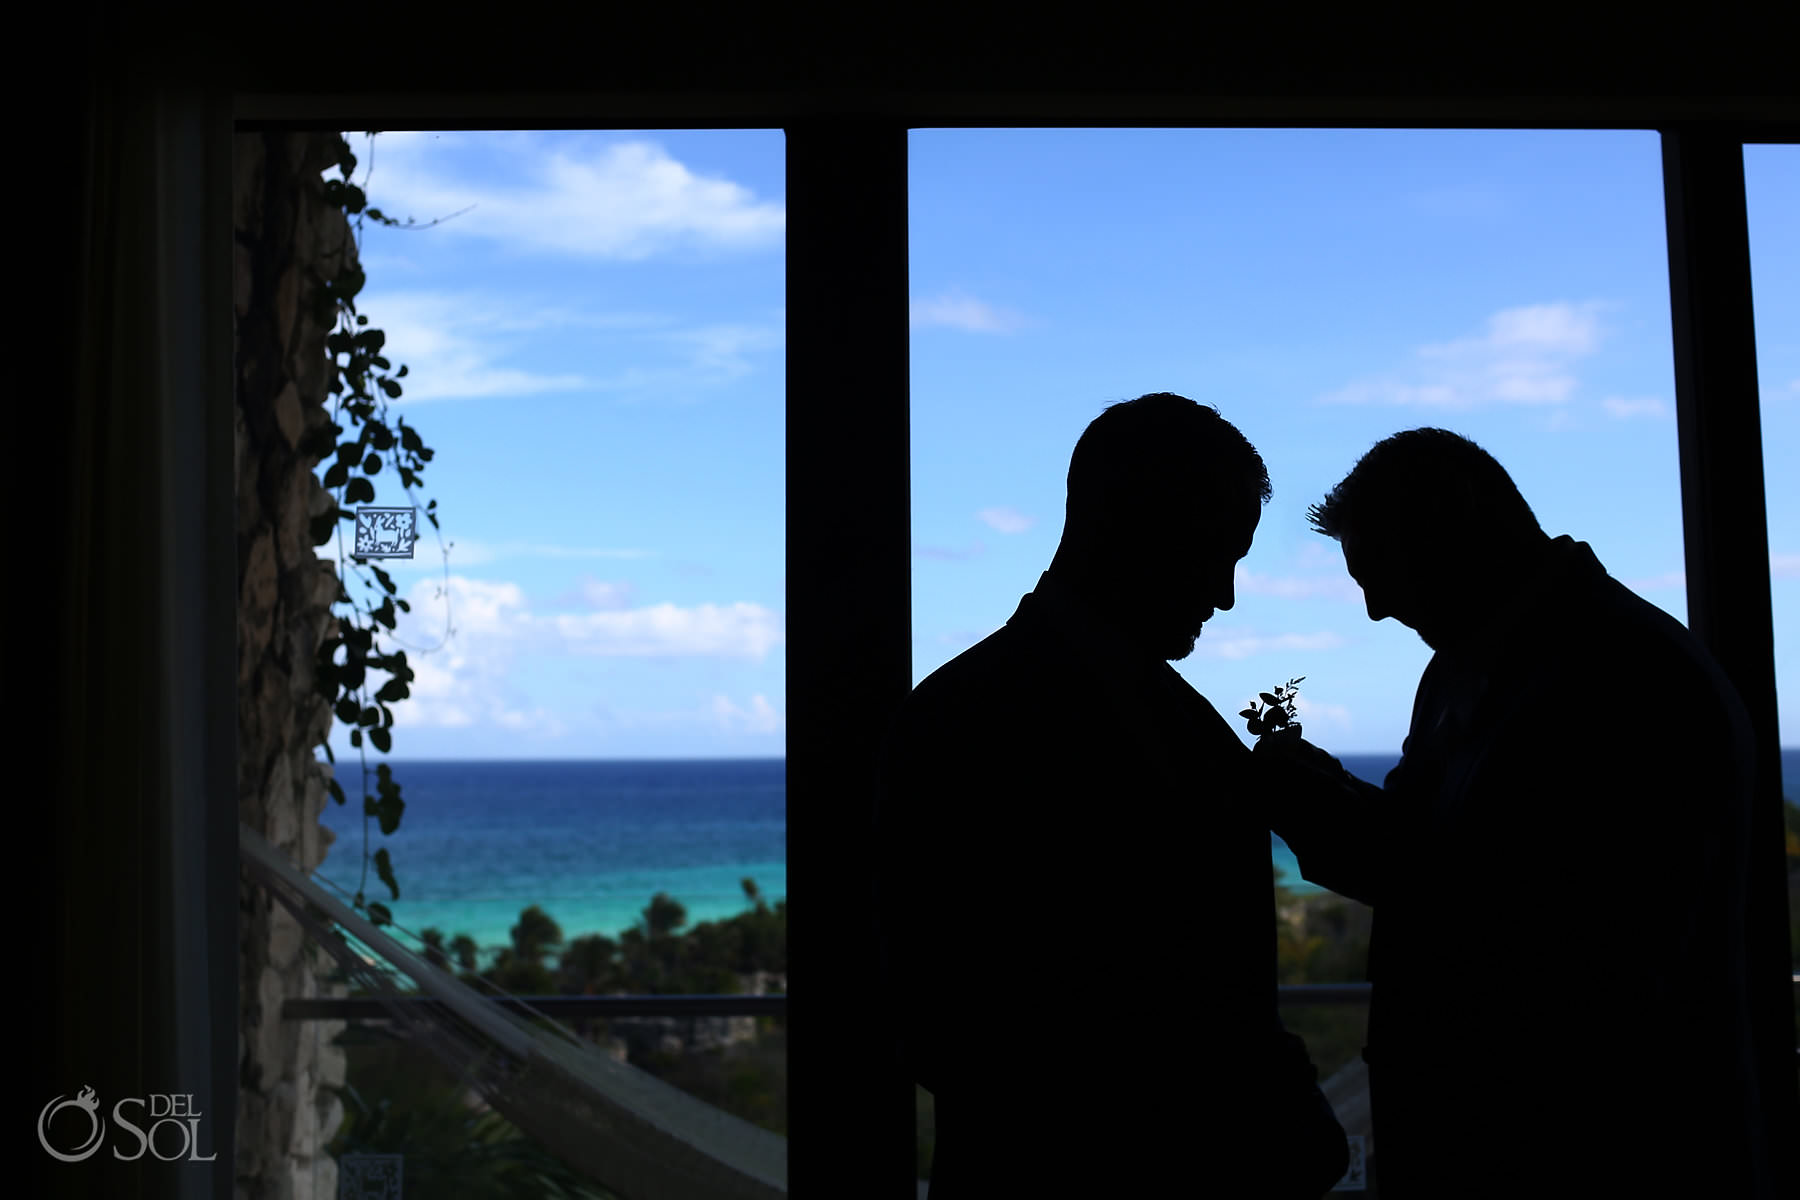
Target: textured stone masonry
[(287, 239)]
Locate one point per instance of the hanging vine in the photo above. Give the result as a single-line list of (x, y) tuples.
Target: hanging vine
[(362, 382)]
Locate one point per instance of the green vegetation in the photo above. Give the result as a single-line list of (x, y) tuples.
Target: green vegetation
[(1323, 938), (655, 957), (362, 380), (399, 1099)]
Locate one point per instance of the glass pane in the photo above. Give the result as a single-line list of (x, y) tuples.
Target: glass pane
[(1772, 196), (592, 755), (1324, 290)]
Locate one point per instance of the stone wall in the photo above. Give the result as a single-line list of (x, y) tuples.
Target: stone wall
[(287, 238)]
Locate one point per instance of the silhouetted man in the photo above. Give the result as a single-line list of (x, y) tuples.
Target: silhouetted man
[(1556, 864), (1077, 891)]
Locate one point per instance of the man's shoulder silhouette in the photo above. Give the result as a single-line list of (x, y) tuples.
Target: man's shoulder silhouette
[(1609, 641), (1014, 707), (1019, 659)]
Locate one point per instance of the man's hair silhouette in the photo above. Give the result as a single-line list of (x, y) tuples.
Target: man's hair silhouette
[(1164, 497), (1428, 486), (1153, 457)]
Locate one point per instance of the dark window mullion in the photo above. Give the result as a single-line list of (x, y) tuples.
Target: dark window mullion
[(1726, 533), (849, 639)]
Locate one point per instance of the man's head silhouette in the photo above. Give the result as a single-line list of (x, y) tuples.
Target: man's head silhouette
[(1435, 532), (1164, 498)]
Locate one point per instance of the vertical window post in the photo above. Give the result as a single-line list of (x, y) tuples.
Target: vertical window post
[(1726, 527), (850, 649)]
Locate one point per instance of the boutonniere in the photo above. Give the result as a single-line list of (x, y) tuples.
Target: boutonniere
[(1277, 712)]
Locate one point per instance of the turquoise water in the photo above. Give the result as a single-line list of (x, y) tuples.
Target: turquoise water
[(592, 842)]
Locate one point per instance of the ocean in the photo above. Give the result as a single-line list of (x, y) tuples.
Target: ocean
[(592, 842)]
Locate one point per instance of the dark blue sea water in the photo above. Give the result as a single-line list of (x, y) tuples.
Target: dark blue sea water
[(592, 842)]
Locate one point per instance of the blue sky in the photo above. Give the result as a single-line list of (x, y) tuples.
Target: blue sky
[(596, 353)]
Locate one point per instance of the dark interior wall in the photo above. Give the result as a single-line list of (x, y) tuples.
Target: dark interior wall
[(126, 738), (759, 68)]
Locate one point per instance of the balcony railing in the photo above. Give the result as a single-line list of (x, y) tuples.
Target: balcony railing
[(360, 1008)]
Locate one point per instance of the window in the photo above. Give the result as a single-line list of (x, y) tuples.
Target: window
[(1772, 196), (1323, 289), (593, 754)]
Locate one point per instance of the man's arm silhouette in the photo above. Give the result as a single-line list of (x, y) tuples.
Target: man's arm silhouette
[(1329, 818)]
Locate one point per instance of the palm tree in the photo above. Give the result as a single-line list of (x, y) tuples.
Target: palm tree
[(536, 935), (664, 916), (466, 951), (589, 964), (435, 954)]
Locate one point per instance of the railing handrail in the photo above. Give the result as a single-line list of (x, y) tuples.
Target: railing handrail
[(325, 1008), (690, 1005), (359, 1008)]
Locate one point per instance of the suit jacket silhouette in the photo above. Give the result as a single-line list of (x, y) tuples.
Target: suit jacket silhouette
[(1080, 933), (1556, 868)]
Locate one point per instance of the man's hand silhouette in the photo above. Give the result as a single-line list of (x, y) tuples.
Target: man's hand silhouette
[(1285, 748)]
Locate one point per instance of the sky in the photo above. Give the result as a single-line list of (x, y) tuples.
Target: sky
[(595, 348)]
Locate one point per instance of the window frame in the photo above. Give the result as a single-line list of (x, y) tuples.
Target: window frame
[(849, 656)]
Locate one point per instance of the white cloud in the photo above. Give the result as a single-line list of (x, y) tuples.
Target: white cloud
[(1524, 356), (460, 681), (455, 345), (1234, 645), (620, 200), (1560, 327), (1784, 566), (1312, 713), (472, 552), (760, 717), (1006, 520), (450, 346), (1624, 407), (540, 721), (595, 593), (721, 350), (466, 680), (1252, 583), (956, 311), (1320, 552), (707, 630)]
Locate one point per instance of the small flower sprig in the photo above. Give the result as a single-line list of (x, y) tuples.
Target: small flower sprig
[(1276, 712)]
